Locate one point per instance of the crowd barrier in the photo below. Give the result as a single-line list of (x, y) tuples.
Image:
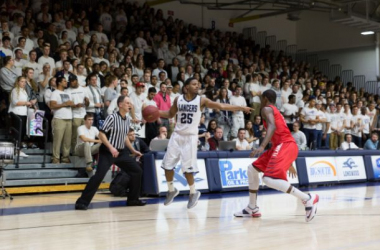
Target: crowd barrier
[(221, 171)]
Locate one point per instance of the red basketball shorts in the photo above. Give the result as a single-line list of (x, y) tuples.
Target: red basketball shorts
[(276, 161)]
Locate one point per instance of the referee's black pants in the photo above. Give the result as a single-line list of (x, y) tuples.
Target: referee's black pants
[(123, 161)]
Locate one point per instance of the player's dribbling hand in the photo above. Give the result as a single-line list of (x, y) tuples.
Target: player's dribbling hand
[(292, 172), (114, 152), (257, 151)]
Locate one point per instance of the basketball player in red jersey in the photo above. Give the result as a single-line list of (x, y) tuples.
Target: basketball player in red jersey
[(275, 162)]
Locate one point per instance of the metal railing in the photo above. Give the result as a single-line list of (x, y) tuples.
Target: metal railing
[(347, 76), (17, 131)]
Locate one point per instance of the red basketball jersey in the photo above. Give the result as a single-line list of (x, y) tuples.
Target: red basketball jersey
[(282, 132)]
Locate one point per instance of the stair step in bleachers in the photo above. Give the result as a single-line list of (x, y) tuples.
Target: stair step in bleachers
[(39, 166), (32, 182), (45, 174), (34, 159), (37, 151)]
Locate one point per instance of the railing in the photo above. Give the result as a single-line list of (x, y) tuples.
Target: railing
[(271, 41), (260, 38), (347, 76), (45, 133), (359, 82), (17, 131), (335, 70)]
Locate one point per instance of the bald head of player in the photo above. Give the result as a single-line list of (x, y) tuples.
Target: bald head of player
[(192, 86), (268, 97)]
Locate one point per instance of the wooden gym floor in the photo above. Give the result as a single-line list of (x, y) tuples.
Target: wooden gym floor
[(348, 218)]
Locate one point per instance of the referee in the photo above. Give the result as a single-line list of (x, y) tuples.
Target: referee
[(114, 137)]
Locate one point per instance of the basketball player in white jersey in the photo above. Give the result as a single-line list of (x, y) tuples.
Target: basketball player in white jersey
[(183, 142)]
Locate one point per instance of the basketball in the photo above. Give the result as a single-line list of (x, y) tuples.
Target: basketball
[(151, 113)]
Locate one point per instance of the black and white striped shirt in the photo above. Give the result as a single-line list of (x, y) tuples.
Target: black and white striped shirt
[(116, 128)]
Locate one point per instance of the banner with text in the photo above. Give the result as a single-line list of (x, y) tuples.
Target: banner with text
[(233, 172), (320, 169), (350, 168), (180, 181)]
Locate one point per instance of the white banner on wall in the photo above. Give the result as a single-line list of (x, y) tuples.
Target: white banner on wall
[(180, 181), (321, 169), (350, 168), (233, 172)]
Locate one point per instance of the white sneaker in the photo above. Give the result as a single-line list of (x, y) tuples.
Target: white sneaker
[(22, 154), (311, 207), (249, 212)]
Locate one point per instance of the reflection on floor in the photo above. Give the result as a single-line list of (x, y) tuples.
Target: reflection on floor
[(348, 218)]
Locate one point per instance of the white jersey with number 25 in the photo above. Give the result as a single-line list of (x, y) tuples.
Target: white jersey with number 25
[(188, 115)]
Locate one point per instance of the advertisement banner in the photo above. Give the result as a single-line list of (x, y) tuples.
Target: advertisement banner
[(233, 172), (376, 166), (321, 169), (350, 168), (180, 181)]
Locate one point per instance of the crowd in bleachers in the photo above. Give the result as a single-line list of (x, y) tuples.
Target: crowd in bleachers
[(77, 61)]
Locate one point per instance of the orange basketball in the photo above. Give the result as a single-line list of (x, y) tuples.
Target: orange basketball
[(151, 113)]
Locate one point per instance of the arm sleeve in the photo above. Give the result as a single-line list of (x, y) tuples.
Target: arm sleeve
[(14, 97)]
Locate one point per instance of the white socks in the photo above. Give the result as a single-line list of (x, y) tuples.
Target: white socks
[(253, 183), (192, 189), (285, 187), (170, 186)]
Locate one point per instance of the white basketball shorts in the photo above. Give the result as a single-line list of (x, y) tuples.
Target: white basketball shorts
[(181, 148)]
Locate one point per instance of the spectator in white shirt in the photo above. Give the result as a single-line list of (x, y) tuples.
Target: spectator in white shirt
[(348, 144), (237, 116), (79, 97), (241, 142), (33, 64), (62, 104), (138, 99), (367, 125), (290, 111), (255, 94), (45, 58), (102, 38), (80, 75), (87, 143), (299, 136), (19, 62), (18, 106), (358, 126), (308, 118), (160, 68), (6, 48)]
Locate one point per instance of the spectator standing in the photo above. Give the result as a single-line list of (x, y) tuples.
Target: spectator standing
[(19, 107), (255, 91), (224, 117), (61, 103), (366, 124), (79, 97), (358, 126), (336, 127), (250, 135), (308, 118), (290, 111), (321, 120), (8, 77), (163, 103), (151, 128), (138, 99), (237, 116), (96, 104)]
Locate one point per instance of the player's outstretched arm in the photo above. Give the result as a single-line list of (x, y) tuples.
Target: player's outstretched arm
[(223, 106), (171, 112), (267, 114)]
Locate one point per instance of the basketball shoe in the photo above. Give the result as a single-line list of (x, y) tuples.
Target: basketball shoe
[(311, 206), (249, 212), (170, 197), (193, 199)]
